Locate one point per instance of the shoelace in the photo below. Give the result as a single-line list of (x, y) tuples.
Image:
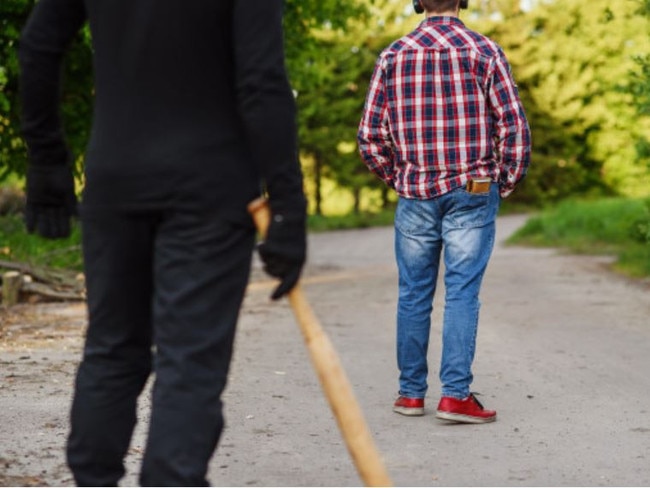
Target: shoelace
[(476, 400)]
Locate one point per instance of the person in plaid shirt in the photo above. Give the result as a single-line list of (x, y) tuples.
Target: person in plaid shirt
[(443, 125)]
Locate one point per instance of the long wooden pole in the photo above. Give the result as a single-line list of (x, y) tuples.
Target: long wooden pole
[(332, 377)]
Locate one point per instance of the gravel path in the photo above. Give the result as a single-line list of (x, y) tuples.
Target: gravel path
[(563, 356)]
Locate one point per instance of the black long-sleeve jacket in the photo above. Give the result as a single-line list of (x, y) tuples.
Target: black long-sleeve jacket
[(192, 102)]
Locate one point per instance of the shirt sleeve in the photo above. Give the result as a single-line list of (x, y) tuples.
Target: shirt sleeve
[(512, 132), (266, 103), (49, 30), (374, 139)]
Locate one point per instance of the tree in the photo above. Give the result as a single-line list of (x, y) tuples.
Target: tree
[(12, 150), (329, 116), (311, 66), (572, 63), (302, 19), (640, 89), (332, 103), (76, 94)]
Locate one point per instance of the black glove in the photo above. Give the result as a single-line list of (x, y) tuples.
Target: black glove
[(284, 250), (51, 201)]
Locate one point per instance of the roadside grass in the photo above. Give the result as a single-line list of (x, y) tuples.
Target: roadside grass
[(619, 227), (320, 223), (616, 226), (17, 245)]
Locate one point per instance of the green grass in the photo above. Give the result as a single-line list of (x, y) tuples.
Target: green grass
[(19, 246), (617, 226), (319, 223)]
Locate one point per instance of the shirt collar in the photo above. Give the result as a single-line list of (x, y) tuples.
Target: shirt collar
[(442, 20)]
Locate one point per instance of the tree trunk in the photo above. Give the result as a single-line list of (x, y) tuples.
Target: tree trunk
[(318, 169), (356, 193), (384, 198), (12, 282)]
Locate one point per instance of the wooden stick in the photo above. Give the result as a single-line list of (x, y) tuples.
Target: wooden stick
[(333, 379)]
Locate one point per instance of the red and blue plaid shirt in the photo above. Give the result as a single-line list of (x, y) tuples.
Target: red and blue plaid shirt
[(443, 108)]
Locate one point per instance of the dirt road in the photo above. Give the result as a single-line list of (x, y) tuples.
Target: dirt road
[(563, 356)]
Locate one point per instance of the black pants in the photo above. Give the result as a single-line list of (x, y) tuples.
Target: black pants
[(164, 292)]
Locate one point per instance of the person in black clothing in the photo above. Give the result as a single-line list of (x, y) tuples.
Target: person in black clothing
[(193, 116)]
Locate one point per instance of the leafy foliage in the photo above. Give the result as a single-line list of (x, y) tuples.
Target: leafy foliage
[(330, 111), (640, 89), (76, 93), (572, 62), (13, 14), (302, 19), (318, 58), (583, 69), (331, 106)]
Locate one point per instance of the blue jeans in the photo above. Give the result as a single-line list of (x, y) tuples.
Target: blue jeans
[(463, 224)]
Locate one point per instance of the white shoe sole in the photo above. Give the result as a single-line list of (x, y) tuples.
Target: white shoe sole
[(409, 412), (465, 419)]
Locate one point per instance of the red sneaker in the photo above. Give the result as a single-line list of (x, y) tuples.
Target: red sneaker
[(409, 406), (468, 411)]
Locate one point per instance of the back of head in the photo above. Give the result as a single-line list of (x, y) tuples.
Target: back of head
[(438, 6)]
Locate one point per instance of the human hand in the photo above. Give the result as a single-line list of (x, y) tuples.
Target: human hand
[(284, 250), (51, 201)]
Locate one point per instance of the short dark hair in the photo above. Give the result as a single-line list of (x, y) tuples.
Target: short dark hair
[(439, 5)]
